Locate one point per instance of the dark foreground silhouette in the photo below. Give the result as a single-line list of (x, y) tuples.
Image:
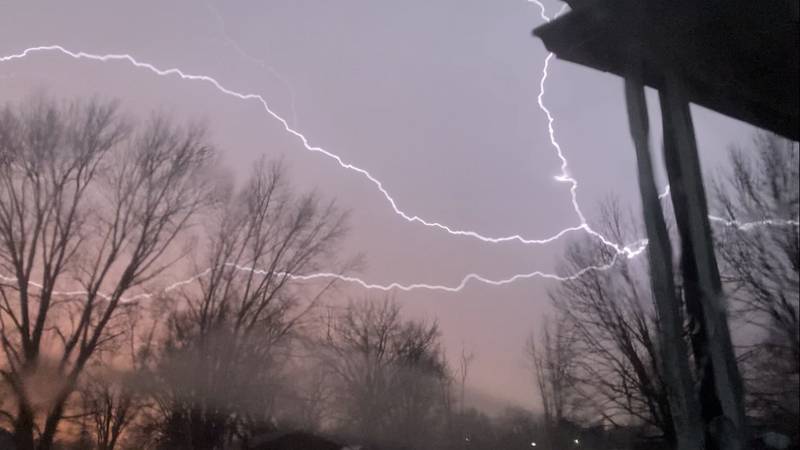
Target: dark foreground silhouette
[(295, 440)]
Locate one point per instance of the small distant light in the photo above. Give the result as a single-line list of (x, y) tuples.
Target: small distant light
[(533, 444), (577, 442)]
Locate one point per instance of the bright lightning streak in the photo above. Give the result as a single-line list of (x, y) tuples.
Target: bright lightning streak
[(305, 142), (542, 10), (453, 288), (629, 251), (744, 226), (639, 247), (564, 176), (353, 280)]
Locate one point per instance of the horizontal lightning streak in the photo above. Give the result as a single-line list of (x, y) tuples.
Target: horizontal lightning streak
[(303, 139), (630, 251), (745, 226), (639, 246), (326, 275), (348, 279), (434, 287)]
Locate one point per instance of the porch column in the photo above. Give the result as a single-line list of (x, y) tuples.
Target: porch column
[(683, 167), (672, 347)]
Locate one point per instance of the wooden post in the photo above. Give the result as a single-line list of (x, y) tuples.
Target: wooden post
[(672, 347), (690, 284), (683, 166)]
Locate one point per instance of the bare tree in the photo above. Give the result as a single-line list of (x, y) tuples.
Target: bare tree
[(309, 396), (111, 406), (91, 206), (464, 361), (228, 342), (552, 357), (761, 265), (389, 372), (112, 391), (611, 330)]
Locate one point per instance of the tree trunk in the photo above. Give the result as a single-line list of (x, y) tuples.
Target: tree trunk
[(674, 355), (23, 428), (52, 421)]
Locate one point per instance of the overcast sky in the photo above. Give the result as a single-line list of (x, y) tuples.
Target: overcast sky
[(437, 99)]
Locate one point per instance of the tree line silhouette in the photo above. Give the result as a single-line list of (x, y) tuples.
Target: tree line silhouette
[(97, 209)]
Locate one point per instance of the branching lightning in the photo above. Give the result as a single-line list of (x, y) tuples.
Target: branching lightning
[(303, 139), (564, 176), (744, 226), (347, 279), (629, 251)]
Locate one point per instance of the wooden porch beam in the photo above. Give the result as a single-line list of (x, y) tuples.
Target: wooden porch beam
[(684, 407), (697, 231)]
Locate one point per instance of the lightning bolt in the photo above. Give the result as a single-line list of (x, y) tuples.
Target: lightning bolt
[(543, 10), (347, 279), (564, 176), (301, 137), (744, 226), (629, 251)]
